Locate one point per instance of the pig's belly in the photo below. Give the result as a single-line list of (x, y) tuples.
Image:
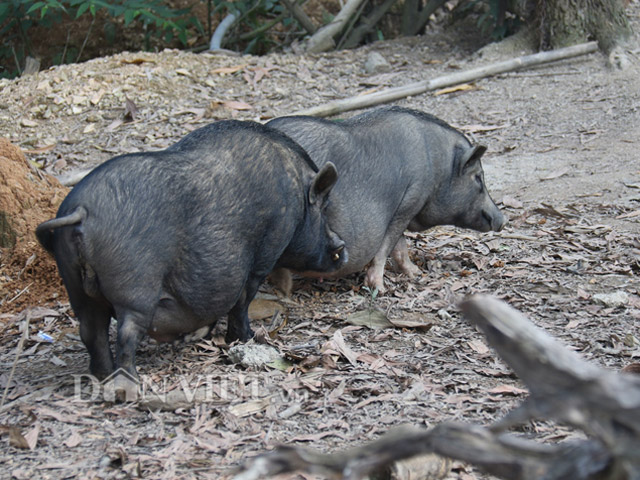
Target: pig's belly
[(171, 321)]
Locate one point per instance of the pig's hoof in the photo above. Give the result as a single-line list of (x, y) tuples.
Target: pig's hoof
[(375, 284), (243, 337), (100, 374), (410, 269), (197, 335)]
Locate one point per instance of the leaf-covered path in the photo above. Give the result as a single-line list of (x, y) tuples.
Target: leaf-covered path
[(562, 163)]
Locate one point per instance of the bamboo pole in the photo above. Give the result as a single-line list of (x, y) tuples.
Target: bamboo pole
[(391, 94)]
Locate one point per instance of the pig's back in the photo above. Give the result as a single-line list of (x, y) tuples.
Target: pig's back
[(221, 206)]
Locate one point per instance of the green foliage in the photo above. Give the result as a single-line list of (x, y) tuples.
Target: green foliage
[(18, 17), (326, 18), (261, 25), (373, 294)]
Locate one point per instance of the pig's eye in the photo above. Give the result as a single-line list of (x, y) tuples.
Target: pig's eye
[(479, 180)]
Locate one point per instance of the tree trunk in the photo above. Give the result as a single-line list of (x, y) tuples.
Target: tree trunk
[(567, 22)]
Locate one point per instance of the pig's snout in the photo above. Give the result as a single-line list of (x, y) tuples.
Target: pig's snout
[(339, 254), (500, 224), (338, 251), (495, 219)]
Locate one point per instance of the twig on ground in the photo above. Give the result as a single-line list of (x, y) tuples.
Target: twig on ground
[(19, 349), (20, 293)]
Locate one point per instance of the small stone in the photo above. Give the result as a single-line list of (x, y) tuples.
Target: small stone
[(252, 354), (611, 300), (618, 59), (376, 63)]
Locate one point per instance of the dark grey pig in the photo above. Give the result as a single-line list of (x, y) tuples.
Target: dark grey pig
[(167, 242), (399, 169)]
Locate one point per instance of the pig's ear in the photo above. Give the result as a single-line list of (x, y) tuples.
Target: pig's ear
[(471, 157), (323, 183)]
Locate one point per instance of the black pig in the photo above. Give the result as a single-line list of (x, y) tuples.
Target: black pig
[(399, 169), (167, 242)]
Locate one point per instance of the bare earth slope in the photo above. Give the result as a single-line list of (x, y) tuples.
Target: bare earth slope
[(563, 162)]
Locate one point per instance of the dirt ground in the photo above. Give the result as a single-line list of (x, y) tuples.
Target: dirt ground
[(562, 163)]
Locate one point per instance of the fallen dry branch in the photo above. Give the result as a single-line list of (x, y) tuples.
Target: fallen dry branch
[(603, 404), (300, 15), (367, 24), (417, 88), (322, 40)]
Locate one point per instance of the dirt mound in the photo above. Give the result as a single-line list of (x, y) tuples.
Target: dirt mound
[(27, 197)]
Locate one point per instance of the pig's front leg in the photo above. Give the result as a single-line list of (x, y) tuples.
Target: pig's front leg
[(238, 326), (400, 255), (375, 275)]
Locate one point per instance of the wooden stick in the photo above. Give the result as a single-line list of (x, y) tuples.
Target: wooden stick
[(457, 78), (300, 15)]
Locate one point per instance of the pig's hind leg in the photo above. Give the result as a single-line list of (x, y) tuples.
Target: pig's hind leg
[(400, 256), (94, 316), (94, 321), (132, 327), (92, 310)]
